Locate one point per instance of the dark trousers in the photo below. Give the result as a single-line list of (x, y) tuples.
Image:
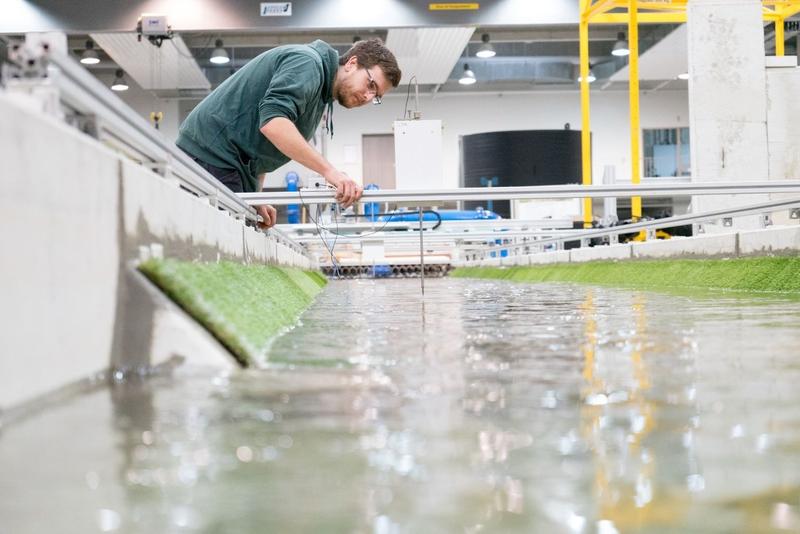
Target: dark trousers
[(230, 178)]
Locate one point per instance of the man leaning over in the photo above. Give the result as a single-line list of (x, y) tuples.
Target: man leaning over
[(264, 115)]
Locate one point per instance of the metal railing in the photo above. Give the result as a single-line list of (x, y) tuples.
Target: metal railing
[(96, 111), (432, 197), (102, 114), (523, 235), (761, 208)]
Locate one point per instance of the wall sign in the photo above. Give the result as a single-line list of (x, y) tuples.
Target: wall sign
[(276, 9), (454, 6)]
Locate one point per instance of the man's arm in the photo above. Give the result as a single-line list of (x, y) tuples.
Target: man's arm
[(282, 133)]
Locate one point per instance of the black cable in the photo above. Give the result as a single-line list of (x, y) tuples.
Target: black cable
[(330, 249), (408, 95), (337, 226), (336, 272)]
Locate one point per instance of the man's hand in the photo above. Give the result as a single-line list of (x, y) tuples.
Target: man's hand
[(347, 190), (269, 214), (282, 133)]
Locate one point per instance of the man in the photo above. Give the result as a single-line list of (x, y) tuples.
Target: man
[(262, 116)]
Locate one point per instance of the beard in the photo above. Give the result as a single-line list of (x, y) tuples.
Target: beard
[(344, 101), (348, 98)]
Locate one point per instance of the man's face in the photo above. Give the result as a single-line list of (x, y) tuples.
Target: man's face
[(358, 86)]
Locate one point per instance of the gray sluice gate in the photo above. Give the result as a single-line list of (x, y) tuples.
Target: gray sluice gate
[(386, 271)]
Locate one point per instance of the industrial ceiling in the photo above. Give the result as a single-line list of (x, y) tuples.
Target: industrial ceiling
[(536, 43)]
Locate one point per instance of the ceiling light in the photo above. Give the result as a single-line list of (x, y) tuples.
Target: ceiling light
[(468, 78), (89, 56), (486, 50), (219, 56), (589, 79), (621, 46), (683, 76), (119, 81)]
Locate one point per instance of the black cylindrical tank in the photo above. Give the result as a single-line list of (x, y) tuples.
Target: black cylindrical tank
[(518, 158)]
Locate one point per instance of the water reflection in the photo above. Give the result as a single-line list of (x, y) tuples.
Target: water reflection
[(485, 407)]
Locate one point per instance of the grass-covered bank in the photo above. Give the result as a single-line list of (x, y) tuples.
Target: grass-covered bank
[(773, 274), (243, 306)]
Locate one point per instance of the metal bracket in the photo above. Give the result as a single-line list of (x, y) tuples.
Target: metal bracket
[(88, 124), (212, 198), (161, 168)]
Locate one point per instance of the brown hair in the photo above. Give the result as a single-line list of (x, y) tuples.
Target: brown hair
[(372, 52)]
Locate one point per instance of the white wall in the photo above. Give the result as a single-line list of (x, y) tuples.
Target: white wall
[(463, 115), (469, 114)]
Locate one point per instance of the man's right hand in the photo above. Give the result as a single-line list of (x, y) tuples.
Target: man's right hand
[(347, 190), (268, 214)]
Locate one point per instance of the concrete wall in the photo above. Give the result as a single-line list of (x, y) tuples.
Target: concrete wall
[(59, 206), (727, 99), (783, 132), (76, 217)]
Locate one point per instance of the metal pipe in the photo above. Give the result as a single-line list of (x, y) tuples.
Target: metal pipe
[(668, 222), (421, 254), (661, 189), (83, 92)]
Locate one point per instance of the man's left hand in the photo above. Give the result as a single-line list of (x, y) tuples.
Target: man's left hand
[(269, 214)]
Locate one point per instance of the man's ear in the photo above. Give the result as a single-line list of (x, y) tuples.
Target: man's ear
[(351, 64)]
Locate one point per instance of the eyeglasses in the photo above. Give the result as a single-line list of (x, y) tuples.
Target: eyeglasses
[(373, 88)]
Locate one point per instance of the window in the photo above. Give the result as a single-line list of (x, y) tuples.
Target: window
[(666, 152)]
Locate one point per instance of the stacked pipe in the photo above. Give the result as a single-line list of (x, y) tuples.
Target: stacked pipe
[(390, 271)]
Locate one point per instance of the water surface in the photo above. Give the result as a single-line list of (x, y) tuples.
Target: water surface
[(487, 406)]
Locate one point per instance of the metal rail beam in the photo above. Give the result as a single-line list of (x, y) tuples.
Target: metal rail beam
[(530, 192), (85, 94), (392, 228), (431, 237), (668, 222)]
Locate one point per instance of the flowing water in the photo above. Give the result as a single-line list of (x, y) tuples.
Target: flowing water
[(486, 407)]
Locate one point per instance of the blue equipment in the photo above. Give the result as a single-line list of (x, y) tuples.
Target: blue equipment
[(292, 210)]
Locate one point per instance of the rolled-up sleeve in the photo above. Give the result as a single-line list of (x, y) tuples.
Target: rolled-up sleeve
[(295, 83)]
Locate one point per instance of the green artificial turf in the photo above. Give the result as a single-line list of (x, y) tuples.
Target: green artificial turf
[(243, 306), (774, 274)]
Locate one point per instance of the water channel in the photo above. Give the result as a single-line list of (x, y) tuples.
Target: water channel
[(487, 406)]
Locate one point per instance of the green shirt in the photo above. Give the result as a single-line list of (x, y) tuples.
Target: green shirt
[(292, 81)]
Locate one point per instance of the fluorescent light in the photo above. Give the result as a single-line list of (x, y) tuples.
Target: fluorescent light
[(589, 79), (683, 76), (119, 83), (486, 50), (89, 56), (219, 56), (468, 78), (621, 46)]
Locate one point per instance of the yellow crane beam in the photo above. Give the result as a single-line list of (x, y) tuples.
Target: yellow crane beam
[(633, 13), (586, 138)]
